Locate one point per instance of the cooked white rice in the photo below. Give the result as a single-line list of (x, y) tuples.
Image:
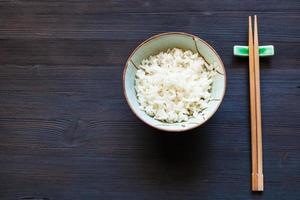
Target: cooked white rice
[(175, 85)]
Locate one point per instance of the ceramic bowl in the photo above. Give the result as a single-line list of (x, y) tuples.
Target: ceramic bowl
[(162, 42)]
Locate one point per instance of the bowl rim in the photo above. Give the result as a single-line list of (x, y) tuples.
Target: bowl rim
[(173, 33)]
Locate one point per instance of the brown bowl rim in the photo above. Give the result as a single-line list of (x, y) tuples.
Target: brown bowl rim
[(173, 33)]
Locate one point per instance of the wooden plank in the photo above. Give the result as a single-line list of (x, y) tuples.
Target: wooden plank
[(118, 26), (140, 6), (113, 53)]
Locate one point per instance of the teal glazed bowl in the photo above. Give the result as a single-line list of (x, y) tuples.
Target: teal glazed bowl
[(162, 42)]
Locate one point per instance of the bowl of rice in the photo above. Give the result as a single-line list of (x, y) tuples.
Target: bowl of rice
[(174, 81)]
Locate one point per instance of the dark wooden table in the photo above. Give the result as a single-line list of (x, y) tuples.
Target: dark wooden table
[(66, 131)]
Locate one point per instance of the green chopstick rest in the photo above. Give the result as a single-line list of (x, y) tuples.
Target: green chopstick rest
[(243, 51)]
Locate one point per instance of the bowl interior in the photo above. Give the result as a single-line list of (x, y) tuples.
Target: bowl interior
[(163, 42)]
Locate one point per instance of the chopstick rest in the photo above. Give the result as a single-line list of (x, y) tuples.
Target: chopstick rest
[(243, 51)]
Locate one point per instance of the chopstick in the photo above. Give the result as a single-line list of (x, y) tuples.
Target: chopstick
[(260, 178), (255, 109)]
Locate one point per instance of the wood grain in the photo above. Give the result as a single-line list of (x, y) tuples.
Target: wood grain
[(67, 133)]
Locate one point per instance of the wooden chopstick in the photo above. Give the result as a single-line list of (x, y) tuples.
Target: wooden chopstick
[(252, 105), (255, 108), (260, 178)]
